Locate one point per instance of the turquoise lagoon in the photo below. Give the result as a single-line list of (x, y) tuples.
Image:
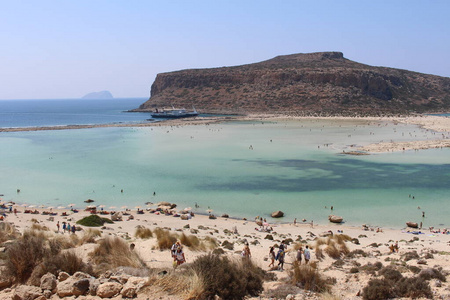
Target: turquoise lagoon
[(243, 169)]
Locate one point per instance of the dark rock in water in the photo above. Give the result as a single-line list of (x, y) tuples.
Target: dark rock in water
[(98, 95), (88, 201), (412, 224), (335, 219), (277, 214), (225, 216)]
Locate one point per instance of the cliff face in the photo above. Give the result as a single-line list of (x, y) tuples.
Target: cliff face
[(324, 83)]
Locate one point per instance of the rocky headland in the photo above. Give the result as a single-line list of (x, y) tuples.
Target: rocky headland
[(324, 83)]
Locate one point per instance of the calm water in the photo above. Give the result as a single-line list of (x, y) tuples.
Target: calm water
[(30, 113), (242, 168)]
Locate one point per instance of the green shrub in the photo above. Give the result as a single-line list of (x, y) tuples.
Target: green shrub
[(390, 274), (227, 245), (357, 253), (228, 279), (410, 255), (414, 287), (94, 221), (428, 274), (378, 289)]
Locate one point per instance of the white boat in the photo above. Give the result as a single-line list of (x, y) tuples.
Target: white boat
[(173, 113)]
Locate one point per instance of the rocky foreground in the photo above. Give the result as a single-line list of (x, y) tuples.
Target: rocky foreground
[(346, 262)]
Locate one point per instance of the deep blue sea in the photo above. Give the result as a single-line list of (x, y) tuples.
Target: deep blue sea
[(57, 112)]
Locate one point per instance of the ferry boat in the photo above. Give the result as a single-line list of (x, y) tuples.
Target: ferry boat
[(173, 113)]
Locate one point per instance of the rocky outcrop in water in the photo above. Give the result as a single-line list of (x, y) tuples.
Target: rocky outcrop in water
[(325, 83)]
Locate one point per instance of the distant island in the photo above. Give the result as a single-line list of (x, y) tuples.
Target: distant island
[(322, 83), (98, 95)]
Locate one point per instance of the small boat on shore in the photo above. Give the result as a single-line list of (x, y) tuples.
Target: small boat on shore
[(412, 224), (174, 113), (335, 219)]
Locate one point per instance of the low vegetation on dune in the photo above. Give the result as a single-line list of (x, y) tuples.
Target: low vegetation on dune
[(309, 278), (8, 232), (113, 252), (390, 283), (94, 221), (37, 252), (334, 246), (165, 239)]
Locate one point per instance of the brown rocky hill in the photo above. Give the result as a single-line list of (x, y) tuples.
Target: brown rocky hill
[(325, 83)]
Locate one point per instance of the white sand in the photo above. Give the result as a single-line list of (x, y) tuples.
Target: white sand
[(348, 284)]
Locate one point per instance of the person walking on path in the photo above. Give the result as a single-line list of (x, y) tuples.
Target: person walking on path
[(246, 251), (299, 255), (179, 256), (307, 254), (272, 257)]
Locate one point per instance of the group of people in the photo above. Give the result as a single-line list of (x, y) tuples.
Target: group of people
[(66, 227), (280, 256)]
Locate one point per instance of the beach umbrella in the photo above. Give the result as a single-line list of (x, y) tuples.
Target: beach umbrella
[(124, 206), (91, 206), (101, 206), (70, 205), (31, 206), (61, 207), (9, 204), (24, 205), (51, 207), (209, 210), (112, 207)]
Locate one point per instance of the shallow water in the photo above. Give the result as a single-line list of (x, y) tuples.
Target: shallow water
[(242, 168)]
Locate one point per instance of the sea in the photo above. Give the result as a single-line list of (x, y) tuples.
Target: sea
[(241, 168)]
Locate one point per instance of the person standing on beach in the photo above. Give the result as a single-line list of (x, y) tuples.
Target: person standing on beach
[(271, 256), (73, 229), (57, 226), (64, 227), (246, 251), (307, 254), (299, 255), (179, 256)]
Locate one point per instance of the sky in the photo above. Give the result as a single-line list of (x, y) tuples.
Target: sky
[(65, 49)]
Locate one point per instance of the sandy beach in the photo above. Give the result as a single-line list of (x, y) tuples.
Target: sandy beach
[(374, 242), (438, 124)]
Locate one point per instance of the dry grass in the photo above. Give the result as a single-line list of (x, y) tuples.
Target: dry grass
[(328, 296), (185, 283), (24, 255), (66, 261), (89, 236), (143, 232), (8, 232), (333, 246), (165, 239), (37, 226), (308, 277), (113, 252)]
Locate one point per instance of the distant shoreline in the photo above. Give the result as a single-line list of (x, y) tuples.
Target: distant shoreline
[(439, 124)]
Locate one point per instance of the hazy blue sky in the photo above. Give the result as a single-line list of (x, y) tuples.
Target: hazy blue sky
[(65, 49)]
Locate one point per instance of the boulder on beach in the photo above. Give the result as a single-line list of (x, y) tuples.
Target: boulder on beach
[(412, 224), (277, 214), (335, 219)]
